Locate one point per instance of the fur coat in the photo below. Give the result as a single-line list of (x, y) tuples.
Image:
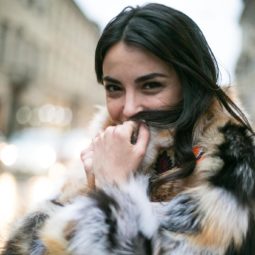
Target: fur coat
[(209, 212)]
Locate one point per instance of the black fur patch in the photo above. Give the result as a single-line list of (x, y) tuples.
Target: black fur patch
[(142, 245), (183, 216), (238, 173), (56, 202)]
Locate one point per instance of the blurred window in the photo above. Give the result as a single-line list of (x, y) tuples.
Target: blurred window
[(39, 5), (19, 45), (30, 2), (3, 34)]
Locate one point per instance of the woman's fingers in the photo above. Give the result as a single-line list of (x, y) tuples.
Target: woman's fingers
[(85, 151), (113, 156), (128, 130), (87, 158), (88, 161), (142, 139), (91, 180)]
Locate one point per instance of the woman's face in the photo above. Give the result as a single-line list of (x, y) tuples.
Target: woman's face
[(135, 80)]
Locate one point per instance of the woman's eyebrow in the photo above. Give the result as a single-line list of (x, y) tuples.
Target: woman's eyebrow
[(110, 79), (137, 80), (149, 76)]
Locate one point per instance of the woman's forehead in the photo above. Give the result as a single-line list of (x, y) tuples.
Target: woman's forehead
[(123, 58)]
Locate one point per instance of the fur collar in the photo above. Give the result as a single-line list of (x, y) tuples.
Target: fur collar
[(206, 137)]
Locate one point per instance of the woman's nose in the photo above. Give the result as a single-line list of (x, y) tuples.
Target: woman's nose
[(132, 105)]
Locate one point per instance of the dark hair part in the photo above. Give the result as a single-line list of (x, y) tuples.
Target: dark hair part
[(175, 38)]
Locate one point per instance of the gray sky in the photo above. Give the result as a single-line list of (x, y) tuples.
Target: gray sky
[(218, 20)]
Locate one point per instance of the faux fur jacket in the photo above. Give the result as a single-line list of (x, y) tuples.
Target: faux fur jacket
[(209, 212)]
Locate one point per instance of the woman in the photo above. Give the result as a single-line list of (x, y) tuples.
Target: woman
[(172, 170)]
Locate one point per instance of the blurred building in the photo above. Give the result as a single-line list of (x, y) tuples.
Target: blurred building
[(245, 69), (46, 64)]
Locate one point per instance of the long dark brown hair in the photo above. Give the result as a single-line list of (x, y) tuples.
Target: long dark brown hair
[(176, 39)]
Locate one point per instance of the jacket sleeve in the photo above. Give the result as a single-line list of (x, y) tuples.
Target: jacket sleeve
[(111, 220)]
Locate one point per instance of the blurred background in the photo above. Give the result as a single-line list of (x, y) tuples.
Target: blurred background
[(49, 93)]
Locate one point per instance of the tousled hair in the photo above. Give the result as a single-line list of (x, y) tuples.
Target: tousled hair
[(176, 39)]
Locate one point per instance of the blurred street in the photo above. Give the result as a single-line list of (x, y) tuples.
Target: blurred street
[(48, 93)]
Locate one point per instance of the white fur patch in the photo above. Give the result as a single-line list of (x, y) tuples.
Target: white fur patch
[(91, 231), (55, 225), (137, 189)]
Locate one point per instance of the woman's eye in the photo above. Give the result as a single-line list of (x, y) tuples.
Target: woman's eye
[(152, 85), (112, 88)]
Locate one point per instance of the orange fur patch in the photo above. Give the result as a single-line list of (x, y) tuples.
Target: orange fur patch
[(55, 248)]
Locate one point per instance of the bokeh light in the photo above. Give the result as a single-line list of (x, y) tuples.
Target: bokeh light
[(8, 154)]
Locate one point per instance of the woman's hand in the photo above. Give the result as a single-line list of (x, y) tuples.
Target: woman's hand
[(111, 156), (87, 160)]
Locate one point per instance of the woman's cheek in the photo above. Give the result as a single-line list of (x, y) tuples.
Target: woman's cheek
[(114, 109)]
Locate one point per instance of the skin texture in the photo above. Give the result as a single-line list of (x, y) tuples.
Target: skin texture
[(134, 80)]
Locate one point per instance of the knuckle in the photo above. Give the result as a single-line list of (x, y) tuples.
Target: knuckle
[(131, 124), (109, 129), (141, 152), (87, 164), (82, 154), (119, 131), (95, 140)]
